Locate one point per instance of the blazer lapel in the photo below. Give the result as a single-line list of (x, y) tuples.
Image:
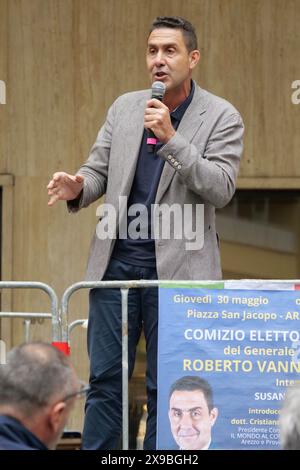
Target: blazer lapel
[(188, 127), (134, 134)]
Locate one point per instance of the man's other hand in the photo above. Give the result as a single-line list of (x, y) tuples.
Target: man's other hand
[(64, 187)]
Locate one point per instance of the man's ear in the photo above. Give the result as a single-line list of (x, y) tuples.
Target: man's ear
[(194, 58), (213, 415), (56, 415)]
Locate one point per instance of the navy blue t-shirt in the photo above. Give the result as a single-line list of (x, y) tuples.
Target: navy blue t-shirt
[(14, 436), (141, 252)]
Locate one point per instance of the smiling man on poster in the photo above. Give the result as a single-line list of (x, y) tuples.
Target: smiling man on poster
[(192, 413)]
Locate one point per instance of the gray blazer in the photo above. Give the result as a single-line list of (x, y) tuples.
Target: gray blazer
[(202, 162)]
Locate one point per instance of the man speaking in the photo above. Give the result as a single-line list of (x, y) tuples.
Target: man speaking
[(194, 164)]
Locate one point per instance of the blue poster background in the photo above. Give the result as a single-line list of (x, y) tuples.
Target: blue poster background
[(246, 345)]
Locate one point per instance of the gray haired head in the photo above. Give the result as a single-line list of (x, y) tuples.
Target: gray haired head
[(289, 421), (35, 374)]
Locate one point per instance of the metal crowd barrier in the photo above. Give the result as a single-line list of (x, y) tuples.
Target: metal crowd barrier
[(54, 316), (81, 322)]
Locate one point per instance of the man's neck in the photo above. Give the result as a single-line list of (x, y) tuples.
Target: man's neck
[(177, 96), (206, 446), (11, 412)]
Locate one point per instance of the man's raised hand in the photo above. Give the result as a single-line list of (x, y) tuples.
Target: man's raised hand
[(64, 187)]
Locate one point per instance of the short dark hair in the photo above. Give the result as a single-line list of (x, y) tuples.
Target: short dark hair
[(35, 374), (177, 22), (190, 383)]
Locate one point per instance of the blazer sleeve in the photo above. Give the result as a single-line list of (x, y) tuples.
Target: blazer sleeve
[(95, 169), (209, 170)]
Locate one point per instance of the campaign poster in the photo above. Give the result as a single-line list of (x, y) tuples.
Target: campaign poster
[(245, 345)]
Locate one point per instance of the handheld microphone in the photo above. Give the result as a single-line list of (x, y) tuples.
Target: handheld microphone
[(158, 91)]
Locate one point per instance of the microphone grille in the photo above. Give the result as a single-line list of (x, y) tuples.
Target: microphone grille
[(158, 89)]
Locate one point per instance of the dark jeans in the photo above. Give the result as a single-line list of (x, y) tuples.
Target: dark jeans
[(103, 418)]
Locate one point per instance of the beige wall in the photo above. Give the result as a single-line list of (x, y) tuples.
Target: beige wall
[(64, 61)]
